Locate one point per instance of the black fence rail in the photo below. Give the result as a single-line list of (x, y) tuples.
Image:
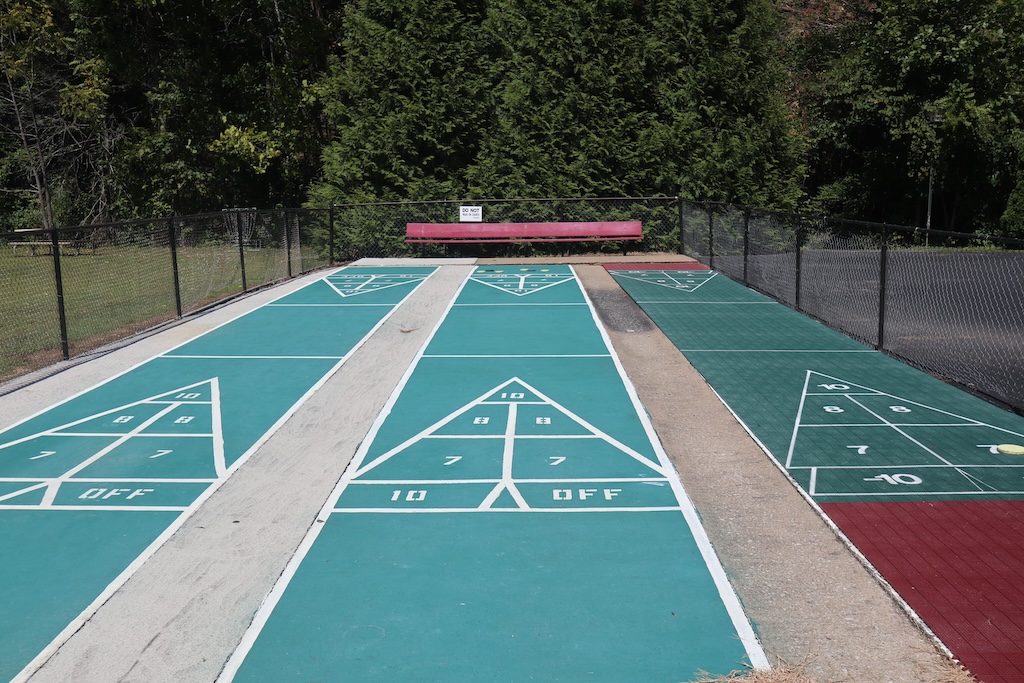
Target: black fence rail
[(68, 291), (949, 303)]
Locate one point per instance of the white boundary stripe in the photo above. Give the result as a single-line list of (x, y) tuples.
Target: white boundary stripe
[(323, 305), (86, 508), (825, 494), (588, 480), (777, 351), (120, 480), (540, 303), (744, 630), (409, 511), (187, 512), (259, 620), (875, 468), (516, 355), (254, 357)]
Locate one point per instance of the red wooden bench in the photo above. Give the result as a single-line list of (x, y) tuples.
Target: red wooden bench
[(480, 233)]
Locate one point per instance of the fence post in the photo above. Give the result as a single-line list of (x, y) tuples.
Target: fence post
[(746, 243), (711, 239), (241, 245), (65, 347), (288, 241), (682, 231), (172, 239), (883, 271), (799, 249), (330, 232)]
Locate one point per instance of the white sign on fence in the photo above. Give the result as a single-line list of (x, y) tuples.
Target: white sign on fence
[(471, 214)]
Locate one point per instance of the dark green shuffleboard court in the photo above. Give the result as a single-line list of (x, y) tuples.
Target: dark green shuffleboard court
[(91, 487), (847, 423), (510, 517)]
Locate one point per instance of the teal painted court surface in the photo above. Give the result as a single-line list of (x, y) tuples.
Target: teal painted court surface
[(846, 422), (510, 517), (90, 486)]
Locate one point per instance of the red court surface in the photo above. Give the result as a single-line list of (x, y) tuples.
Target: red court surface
[(959, 565)]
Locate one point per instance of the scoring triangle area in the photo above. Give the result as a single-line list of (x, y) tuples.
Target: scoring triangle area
[(510, 436), (520, 282), (174, 436), (353, 284), (850, 439)]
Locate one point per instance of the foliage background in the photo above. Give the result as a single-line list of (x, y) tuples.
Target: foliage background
[(145, 108)]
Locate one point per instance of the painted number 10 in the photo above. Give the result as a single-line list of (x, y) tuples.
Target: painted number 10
[(897, 479), (410, 496)]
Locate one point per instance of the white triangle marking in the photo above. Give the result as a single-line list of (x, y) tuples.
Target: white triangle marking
[(675, 284), (521, 290), (849, 394), (52, 484), (507, 483)]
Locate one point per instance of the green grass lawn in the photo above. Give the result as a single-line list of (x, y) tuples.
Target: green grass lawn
[(116, 292)]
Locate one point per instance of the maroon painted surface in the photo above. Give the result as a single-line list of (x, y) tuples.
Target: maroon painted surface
[(960, 565), (525, 231)]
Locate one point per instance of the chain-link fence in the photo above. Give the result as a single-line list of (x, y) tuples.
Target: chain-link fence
[(949, 303), (952, 304), (69, 291)]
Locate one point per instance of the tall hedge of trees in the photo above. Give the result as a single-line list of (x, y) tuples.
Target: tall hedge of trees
[(117, 110)]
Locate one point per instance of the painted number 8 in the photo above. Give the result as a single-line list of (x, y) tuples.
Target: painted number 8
[(833, 409), (899, 409)]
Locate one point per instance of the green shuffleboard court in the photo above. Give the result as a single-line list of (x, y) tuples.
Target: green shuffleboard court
[(510, 517), (90, 487), (847, 422)]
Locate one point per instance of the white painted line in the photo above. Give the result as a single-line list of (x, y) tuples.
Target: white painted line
[(413, 511), (744, 630), (799, 415), (778, 351), (88, 508), (408, 482), (169, 355), (921, 493), (516, 355), (887, 466)]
